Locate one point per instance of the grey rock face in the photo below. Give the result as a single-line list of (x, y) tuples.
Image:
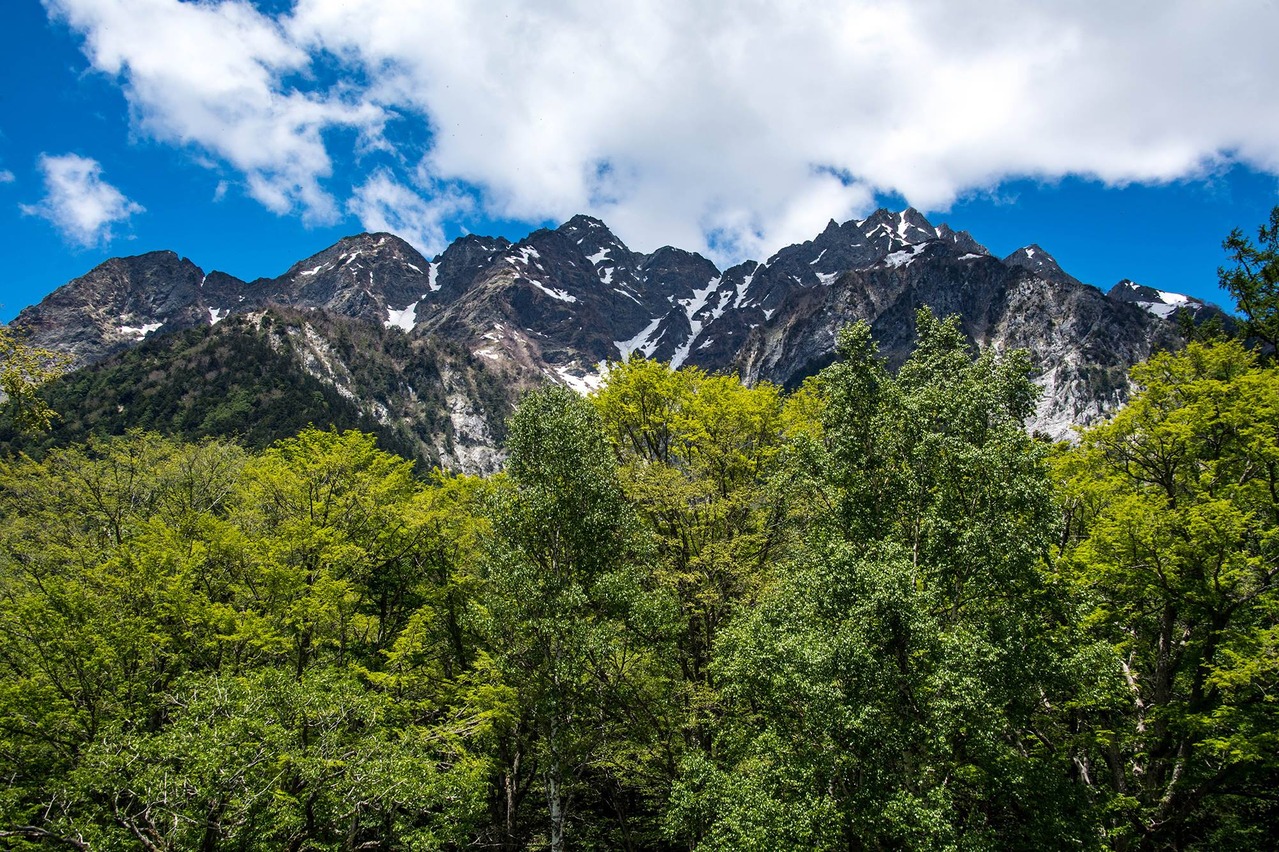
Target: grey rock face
[(462, 261), (962, 240), (1081, 343), (124, 300)]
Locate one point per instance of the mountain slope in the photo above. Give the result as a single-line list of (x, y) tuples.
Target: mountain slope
[(265, 375)]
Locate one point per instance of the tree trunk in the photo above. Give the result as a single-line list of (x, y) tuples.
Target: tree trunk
[(555, 802), (555, 789)]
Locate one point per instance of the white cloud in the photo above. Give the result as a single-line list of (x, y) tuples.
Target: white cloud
[(6, 176), (79, 202), (696, 122), (383, 204), (213, 75)]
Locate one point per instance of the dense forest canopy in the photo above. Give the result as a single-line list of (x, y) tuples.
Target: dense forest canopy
[(871, 614)]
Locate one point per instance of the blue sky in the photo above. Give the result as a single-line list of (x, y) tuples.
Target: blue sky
[(247, 136)]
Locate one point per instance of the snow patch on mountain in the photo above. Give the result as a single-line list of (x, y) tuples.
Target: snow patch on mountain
[(554, 293), (1161, 303), (581, 381), (692, 307), (905, 256), (1168, 302), (139, 332), (640, 343), (527, 255), (403, 319), (744, 290)]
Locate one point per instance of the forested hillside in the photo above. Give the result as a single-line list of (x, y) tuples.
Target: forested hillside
[(874, 613), (264, 377)]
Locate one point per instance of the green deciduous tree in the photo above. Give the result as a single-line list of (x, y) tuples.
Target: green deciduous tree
[(23, 369), (324, 526), (573, 624), (204, 650), (698, 454), (892, 689), (1174, 520), (104, 604)]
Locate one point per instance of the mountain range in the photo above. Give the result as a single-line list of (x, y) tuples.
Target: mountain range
[(432, 352)]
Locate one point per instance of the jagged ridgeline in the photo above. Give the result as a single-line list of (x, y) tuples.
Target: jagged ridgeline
[(430, 353)]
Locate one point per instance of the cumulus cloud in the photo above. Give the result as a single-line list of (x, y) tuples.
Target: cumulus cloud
[(214, 75), (734, 128), (383, 204), (79, 202)]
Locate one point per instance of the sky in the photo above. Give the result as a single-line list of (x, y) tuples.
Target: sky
[(1127, 139)]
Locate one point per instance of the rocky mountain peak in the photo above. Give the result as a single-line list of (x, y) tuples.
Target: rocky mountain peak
[(1041, 263), (882, 219), (117, 304), (1164, 304), (351, 247), (677, 271), (353, 258), (593, 237), (554, 257), (836, 236), (613, 263), (366, 276), (962, 240), (582, 228), (912, 219), (1127, 290), (465, 258), (813, 263), (888, 231)]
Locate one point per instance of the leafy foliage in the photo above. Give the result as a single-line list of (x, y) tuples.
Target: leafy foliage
[(576, 629), (199, 651), (1253, 280), (1175, 547), (890, 689), (23, 370), (698, 454)]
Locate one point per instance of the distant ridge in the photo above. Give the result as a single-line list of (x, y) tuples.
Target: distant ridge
[(560, 303)]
